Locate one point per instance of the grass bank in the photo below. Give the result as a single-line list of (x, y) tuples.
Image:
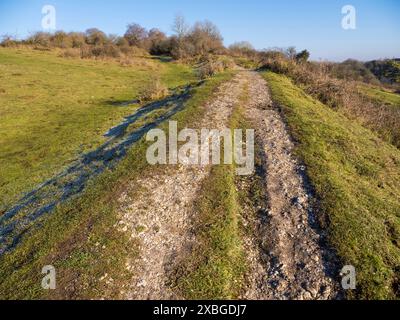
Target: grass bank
[(356, 176)]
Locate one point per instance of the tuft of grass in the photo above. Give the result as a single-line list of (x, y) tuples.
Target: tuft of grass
[(356, 176), (247, 63), (80, 238)]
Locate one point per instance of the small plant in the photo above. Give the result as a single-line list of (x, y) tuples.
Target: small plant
[(210, 68), (155, 90)]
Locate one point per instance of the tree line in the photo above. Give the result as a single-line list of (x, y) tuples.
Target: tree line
[(187, 41)]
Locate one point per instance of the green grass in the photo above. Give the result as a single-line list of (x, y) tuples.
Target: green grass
[(246, 63), (79, 239), (216, 268), (52, 109), (381, 95), (357, 179)]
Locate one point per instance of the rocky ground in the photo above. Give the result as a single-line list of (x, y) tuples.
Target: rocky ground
[(287, 258), (285, 248)]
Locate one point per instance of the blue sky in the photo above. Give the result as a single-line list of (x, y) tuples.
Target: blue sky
[(311, 24)]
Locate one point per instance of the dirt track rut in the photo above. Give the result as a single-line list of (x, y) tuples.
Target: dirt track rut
[(288, 260), (284, 251), (159, 215)]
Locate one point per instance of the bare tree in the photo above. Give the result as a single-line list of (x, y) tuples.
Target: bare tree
[(180, 27), (291, 53), (205, 37), (157, 42)]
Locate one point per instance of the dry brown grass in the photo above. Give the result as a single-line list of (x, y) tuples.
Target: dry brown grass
[(70, 53), (155, 90)]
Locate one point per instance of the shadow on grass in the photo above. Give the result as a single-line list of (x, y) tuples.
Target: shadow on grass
[(21, 216)]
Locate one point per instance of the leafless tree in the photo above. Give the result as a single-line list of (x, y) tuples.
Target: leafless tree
[(180, 27)]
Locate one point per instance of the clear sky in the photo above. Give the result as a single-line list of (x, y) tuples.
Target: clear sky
[(311, 24)]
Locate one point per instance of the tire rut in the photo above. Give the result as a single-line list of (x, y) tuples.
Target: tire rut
[(286, 256)]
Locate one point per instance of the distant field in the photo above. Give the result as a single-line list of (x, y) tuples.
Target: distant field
[(52, 109)]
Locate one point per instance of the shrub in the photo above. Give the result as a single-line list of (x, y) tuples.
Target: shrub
[(387, 71), (8, 41), (136, 35), (100, 52), (243, 49), (158, 43), (110, 50), (77, 39), (61, 40), (155, 90), (95, 37), (203, 38), (71, 53), (209, 68), (40, 39), (353, 70)]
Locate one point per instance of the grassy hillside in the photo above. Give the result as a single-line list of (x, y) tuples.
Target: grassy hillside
[(80, 238), (382, 96), (52, 109), (357, 179)]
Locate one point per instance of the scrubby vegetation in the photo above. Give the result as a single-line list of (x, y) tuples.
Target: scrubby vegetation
[(155, 90), (387, 71), (209, 66), (318, 79), (353, 70)]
